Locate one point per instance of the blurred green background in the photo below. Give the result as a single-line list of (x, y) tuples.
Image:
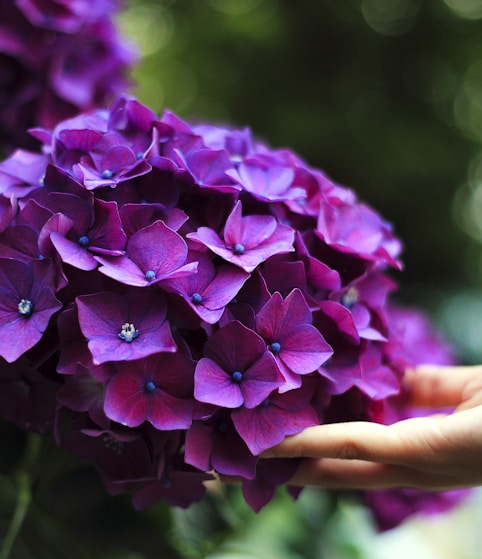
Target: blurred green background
[(385, 96)]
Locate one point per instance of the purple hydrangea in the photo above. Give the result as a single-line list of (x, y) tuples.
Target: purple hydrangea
[(47, 49), (176, 299)]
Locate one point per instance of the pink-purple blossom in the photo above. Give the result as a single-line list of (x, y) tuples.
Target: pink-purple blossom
[(178, 298)]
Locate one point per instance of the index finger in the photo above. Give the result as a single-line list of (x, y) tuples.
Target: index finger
[(416, 439)]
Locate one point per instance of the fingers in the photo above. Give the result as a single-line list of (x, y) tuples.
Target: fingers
[(439, 386), (333, 473), (411, 440), (353, 440)]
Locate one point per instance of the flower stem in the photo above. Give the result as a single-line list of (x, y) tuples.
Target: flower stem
[(24, 495)]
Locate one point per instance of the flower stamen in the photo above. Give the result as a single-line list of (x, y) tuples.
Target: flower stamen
[(83, 241), (149, 386), (25, 307), (350, 297), (238, 249), (128, 332)]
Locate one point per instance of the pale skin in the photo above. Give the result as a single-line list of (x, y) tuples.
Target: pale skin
[(436, 452)]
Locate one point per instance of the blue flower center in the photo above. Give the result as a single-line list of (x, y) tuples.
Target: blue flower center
[(140, 155), (25, 307), (107, 174), (238, 249), (197, 298), (150, 275), (265, 403), (275, 347), (83, 241), (128, 332), (350, 298), (237, 376), (149, 386)]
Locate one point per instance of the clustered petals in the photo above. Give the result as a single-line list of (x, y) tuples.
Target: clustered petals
[(58, 57), (180, 298)]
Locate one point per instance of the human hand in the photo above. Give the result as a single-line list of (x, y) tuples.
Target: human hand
[(437, 452)]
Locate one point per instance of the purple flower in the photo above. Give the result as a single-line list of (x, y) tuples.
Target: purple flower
[(357, 229), (153, 254), (277, 416), (27, 302), (84, 392), (176, 299), (413, 339), (247, 241), (157, 389), (391, 507), (120, 455), (22, 173), (180, 489), (209, 169), (369, 374), (94, 227), (267, 180), (209, 290), (215, 444), (298, 347), (236, 369), (124, 327), (249, 300), (111, 162), (269, 474)]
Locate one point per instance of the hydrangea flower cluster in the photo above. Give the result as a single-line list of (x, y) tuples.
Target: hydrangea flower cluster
[(57, 57), (176, 298)]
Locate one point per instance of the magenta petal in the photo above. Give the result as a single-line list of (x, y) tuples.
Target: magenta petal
[(72, 253), (269, 320), (103, 315), (118, 157), (233, 458), (343, 319), (17, 337), (126, 401), (168, 413), (157, 248), (304, 350), (259, 430), (200, 439), (261, 379), (209, 169), (122, 269), (213, 385), (216, 444), (267, 425), (266, 183)]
